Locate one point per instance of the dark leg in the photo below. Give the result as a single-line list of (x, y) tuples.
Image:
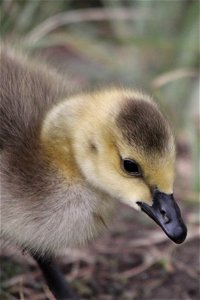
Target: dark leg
[(55, 279)]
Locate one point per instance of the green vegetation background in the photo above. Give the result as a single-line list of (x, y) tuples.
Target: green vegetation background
[(148, 44)]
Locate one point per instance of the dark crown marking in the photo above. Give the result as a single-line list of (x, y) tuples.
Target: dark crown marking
[(143, 125)]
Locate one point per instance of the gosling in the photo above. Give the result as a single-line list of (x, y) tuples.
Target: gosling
[(67, 159)]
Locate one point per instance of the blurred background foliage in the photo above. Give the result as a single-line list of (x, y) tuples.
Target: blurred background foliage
[(148, 44)]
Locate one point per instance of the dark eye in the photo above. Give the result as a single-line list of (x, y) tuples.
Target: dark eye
[(131, 167)]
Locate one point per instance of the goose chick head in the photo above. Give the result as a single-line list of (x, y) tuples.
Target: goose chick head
[(123, 145)]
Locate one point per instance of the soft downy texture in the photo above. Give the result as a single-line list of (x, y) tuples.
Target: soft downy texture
[(61, 170)]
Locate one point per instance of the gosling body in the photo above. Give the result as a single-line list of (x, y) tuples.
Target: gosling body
[(64, 158), (67, 159), (45, 204)]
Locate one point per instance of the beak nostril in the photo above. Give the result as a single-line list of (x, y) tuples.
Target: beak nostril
[(163, 212), (166, 219)]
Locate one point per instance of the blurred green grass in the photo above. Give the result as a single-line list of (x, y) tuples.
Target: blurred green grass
[(156, 48), (152, 44)]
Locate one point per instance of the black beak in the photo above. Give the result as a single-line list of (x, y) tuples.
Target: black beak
[(166, 213)]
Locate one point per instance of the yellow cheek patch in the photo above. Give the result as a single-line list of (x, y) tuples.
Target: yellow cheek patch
[(162, 178), (61, 158)]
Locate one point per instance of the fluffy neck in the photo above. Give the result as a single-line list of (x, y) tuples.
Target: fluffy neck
[(57, 135)]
